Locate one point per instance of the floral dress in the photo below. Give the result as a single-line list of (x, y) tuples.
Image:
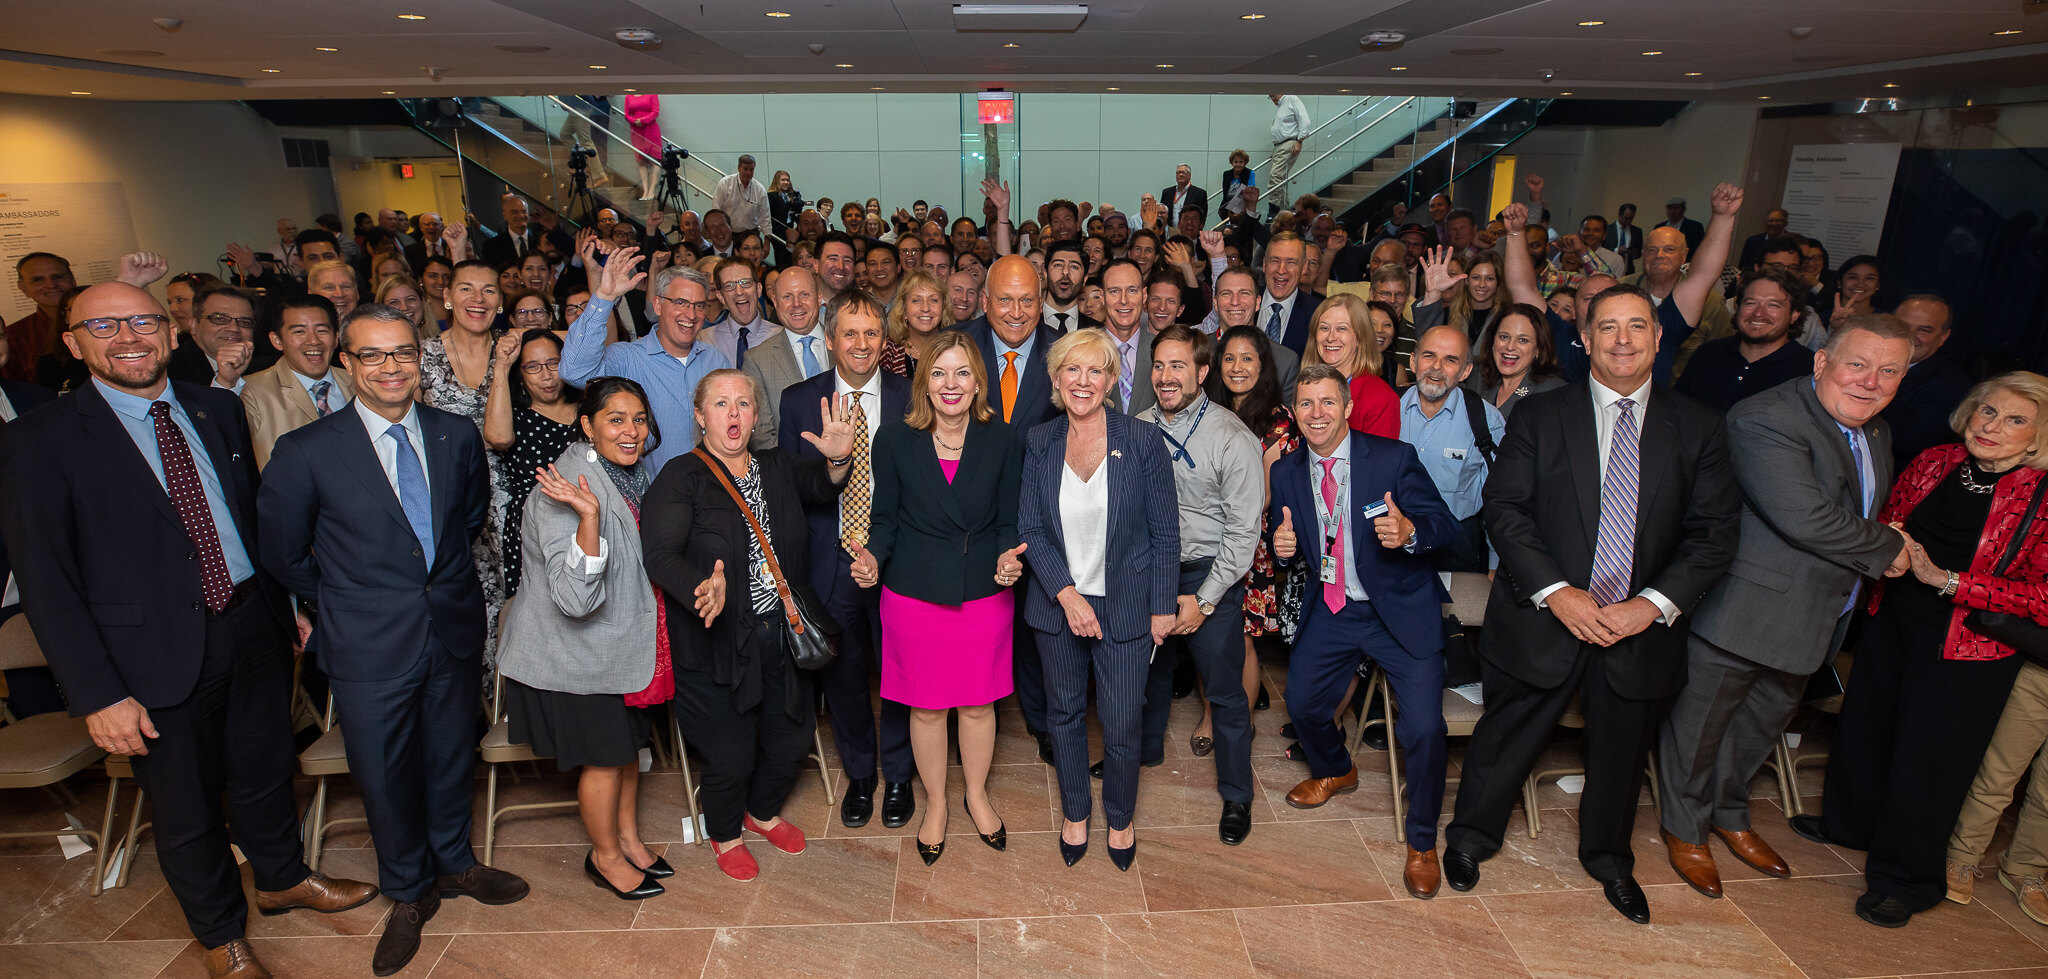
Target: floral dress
[(537, 441), (439, 388), (1272, 607)]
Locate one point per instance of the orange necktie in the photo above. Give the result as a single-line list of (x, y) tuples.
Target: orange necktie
[(1009, 385)]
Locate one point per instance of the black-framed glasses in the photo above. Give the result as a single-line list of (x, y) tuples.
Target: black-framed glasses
[(371, 358), (223, 319), (141, 324), (570, 311), (703, 307), (529, 314), (542, 366)]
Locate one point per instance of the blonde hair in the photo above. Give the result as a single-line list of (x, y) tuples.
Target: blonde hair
[(1365, 344), (2024, 384), (1093, 342), (320, 267), (697, 396), (921, 414), (899, 311)]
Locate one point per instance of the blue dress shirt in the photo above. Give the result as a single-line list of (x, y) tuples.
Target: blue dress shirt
[(671, 383), (133, 413)]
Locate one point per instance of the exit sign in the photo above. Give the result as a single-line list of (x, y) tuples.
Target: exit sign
[(405, 171), (997, 108)]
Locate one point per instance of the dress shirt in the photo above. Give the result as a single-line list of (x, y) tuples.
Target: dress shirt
[(336, 400), (670, 381), (1354, 587), (379, 428), (870, 404), (1178, 198), (745, 204), (133, 413), (725, 335), (1607, 414), (1265, 316), (1084, 525), (1050, 316), (818, 351), (1127, 363), (7, 412), (1220, 486), (1023, 350), (1445, 445), (1290, 120)]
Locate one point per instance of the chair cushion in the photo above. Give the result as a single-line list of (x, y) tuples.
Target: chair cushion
[(44, 749), (327, 756), (497, 746)]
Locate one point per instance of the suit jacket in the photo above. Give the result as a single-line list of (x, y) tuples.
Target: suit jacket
[(1142, 559), (1142, 395), (25, 397), (1300, 321), (499, 249), (189, 363), (1403, 586), (108, 575), (277, 403), (1077, 321), (1542, 515), (1805, 540), (334, 532), (798, 414), (1918, 413), (1197, 198), (1693, 231), (937, 541), (773, 366), (1034, 385)]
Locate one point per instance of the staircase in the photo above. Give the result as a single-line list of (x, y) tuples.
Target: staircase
[(1389, 165)]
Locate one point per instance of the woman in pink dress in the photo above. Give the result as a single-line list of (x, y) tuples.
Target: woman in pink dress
[(643, 114), (943, 546)]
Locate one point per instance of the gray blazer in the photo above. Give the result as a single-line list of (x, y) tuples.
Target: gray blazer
[(1805, 542), (570, 631), (773, 365)]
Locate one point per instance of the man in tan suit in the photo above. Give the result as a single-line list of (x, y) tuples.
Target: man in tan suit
[(302, 386), (781, 361)]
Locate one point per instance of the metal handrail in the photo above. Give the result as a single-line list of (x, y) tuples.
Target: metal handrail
[(1327, 123), (1304, 168)]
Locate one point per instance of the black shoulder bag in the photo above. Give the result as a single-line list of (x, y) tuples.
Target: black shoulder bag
[(809, 642), (2020, 632)]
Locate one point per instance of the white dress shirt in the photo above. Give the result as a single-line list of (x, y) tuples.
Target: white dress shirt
[(1607, 414), (1354, 588), (379, 428), (1084, 524)]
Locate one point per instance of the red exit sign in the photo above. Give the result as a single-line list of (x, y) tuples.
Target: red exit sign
[(405, 171), (997, 108)]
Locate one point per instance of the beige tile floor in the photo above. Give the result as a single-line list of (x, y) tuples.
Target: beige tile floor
[(1309, 894)]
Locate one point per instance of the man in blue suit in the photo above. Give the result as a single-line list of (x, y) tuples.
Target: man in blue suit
[(854, 332), (1286, 310), (367, 515), (1013, 343), (1359, 513)]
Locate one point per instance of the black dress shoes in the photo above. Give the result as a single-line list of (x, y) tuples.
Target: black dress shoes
[(1072, 852), (659, 869), (930, 852), (1809, 826), (998, 840), (401, 938), (484, 885), (1461, 869), (1122, 857), (859, 803), (1265, 700), (897, 804), (1044, 746), (1627, 898), (1882, 911), (640, 892), (1095, 770), (1236, 823)]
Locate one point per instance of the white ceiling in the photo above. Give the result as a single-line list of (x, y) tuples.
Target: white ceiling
[(1740, 49)]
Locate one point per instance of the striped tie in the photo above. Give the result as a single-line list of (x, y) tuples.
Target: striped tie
[(1614, 550)]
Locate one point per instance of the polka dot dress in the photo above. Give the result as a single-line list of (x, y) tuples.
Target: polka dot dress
[(537, 441)]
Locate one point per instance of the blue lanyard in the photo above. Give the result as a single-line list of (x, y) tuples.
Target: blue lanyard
[(1180, 448)]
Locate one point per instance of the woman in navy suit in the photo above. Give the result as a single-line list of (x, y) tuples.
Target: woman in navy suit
[(1101, 530)]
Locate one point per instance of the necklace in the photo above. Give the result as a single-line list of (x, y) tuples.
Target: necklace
[(1976, 487), (943, 444)]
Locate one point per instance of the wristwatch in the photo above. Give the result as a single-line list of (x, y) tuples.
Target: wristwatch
[(1954, 580), (1207, 608)]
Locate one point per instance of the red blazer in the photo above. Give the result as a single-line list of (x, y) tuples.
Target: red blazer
[(1375, 408), (2024, 591)]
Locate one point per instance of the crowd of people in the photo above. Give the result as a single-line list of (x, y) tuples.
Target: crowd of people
[(737, 469)]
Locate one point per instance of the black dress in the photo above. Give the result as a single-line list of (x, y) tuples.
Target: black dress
[(537, 441)]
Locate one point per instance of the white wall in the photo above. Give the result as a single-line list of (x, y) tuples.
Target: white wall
[(1704, 145)]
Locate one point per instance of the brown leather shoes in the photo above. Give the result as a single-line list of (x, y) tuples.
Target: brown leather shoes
[(1695, 863), (1422, 874), (1751, 849), (1314, 792), (318, 892), (235, 960)]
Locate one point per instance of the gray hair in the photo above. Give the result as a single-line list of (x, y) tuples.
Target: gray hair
[(666, 277), (380, 313), (1884, 325), (746, 158)]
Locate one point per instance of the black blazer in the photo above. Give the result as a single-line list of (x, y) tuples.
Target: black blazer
[(1542, 515), (334, 532), (1300, 321), (1197, 198), (688, 523), (107, 574), (188, 362), (937, 541), (1143, 555), (798, 413), (25, 398), (1034, 385)]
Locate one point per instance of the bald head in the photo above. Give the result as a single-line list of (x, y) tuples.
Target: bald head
[(1663, 254), (130, 360), (1012, 303)]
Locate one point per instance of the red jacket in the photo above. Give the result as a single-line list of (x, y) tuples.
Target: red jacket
[(2023, 591)]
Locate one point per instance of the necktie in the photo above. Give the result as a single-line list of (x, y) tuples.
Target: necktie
[(519, 245), (1856, 456), (1009, 385), (1127, 352), (1275, 329), (739, 351), (1333, 591), (412, 493), (181, 479), (1614, 550), (1063, 321), (811, 367), (853, 509), (320, 397)]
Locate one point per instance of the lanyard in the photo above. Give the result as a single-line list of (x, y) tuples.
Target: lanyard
[(1180, 448), (1331, 515)]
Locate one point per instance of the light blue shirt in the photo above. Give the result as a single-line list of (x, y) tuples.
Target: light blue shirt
[(379, 429), (1868, 478), (670, 381), (1445, 445), (1023, 350), (336, 400), (133, 413), (1354, 587)]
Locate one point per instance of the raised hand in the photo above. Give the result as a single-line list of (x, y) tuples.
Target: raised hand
[(456, 235), (1515, 217), (1437, 277), (834, 438), (504, 352), (239, 256), (1535, 185), (620, 276), (1177, 254), (997, 194), (1009, 566), (711, 594), (865, 571), (233, 358), (1212, 243), (577, 495), (1148, 212), (139, 269), (1392, 527), (1727, 200), (660, 259), (1284, 544)]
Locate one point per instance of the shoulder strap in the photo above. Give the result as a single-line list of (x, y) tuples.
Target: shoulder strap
[(796, 623), (1475, 413), (2019, 534)]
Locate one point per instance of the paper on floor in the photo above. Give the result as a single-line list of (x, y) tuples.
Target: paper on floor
[(1573, 784), (73, 846), (1470, 692)]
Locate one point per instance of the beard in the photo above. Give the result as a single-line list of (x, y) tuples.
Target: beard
[(1434, 390)]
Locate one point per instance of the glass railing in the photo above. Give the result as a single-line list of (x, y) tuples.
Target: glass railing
[(1382, 126), (1436, 160)]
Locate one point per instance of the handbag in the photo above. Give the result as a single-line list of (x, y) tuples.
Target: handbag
[(806, 634), (2020, 632)]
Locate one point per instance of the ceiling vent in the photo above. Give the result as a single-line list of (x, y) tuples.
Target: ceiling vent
[(1020, 18)]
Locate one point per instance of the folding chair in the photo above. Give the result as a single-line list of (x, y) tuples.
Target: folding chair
[(40, 752)]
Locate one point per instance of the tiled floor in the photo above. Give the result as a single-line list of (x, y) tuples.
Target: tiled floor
[(1309, 894)]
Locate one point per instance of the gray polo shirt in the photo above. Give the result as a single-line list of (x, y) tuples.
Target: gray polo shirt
[(1219, 479)]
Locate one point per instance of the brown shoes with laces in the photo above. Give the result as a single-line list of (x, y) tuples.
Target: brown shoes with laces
[(1422, 874), (1751, 849), (1962, 881), (318, 892), (401, 938), (1695, 864), (1314, 792), (235, 960)]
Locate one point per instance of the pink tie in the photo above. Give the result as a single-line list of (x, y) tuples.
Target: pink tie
[(1333, 592)]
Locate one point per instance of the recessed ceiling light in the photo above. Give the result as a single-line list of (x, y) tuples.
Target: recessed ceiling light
[(1251, 16), (1113, 88), (326, 49), (842, 66), (1891, 84), (1343, 90), (1591, 23), (2005, 33), (1398, 68), (1013, 44), (875, 89), (778, 13), (632, 90), (1694, 74), (1564, 93), (1651, 54), (391, 93), (81, 93), (270, 71), (1764, 98), (412, 16), (1162, 66), (597, 67)]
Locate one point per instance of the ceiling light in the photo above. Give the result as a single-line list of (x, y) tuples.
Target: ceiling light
[(1162, 66), (1891, 84), (270, 71), (875, 89), (2005, 33), (1343, 90), (1398, 68), (1694, 74), (412, 16), (597, 67), (1251, 16), (1113, 88), (391, 93), (1591, 23), (632, 90), (842, 66), (778, 13), (326, 49), (1564, 93), (1013, 44), (81, 93), (1651, 54), (1764, 98)]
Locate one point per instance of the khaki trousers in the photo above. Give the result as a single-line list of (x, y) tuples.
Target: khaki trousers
[(2015, 747), (1282, 167)]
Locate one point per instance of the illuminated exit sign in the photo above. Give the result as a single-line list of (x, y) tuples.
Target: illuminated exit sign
[(997, 108)]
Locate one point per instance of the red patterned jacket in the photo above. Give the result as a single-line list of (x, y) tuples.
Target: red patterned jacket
[(2023, 592)]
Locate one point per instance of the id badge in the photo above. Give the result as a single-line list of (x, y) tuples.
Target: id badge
[(1329, 570)]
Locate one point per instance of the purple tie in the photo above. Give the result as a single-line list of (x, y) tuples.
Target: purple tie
[(1614, 550), (181, 480)]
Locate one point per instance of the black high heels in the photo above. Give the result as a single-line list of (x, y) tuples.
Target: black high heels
[(647, 888), (998, 840), (659, 869), (1072, 852), (1121, 856)]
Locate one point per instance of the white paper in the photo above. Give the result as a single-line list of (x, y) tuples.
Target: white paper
[(693, 829), (1791, 740), (1573, 784), (1470, 692), (1841, 194), (646, 760), (73, 846), (114, 868), (87, 223)]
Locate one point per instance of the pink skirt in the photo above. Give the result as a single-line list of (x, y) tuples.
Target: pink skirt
[(939, 656)]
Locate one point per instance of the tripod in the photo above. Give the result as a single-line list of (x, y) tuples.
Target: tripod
[(671, 195), (581, 204)]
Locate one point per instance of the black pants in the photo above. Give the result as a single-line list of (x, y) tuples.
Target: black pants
[(1518, 722), (1914, 728), (750, 757), (1027, 669), (848, 691), (232, 739), (1217, 651)]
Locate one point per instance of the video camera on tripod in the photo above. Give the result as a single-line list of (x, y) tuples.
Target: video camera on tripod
[(670, 194)]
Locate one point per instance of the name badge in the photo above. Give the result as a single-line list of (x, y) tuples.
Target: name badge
[(1374, 510), (1329, 570), (1455, 455)]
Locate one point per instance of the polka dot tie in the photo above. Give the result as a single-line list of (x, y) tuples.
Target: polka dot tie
[(181, 478)]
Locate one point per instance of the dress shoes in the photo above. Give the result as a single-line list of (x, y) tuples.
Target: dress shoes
[(997, 841), (1314, 792), (1809, 826), (1695, 864), (639, 892), (1422, 874), (1236, 823), (1962, 881), (1072, 852), (1265, 700), (1882, 911), (898, 804), (1095, 770), (1628, 898), (1461, 869), (318, 892), (235, 960), (2031, 893), (1376, 737), (1121, 856), (1044, 746), (1751, 849), (401, 938), (485, 885), (930, 852), (858, 805), (659, 869)]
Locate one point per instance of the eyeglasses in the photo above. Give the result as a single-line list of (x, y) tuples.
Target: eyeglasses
[(542, 366), (142, 324), (703, 307), (371, 358), (529, 314), (572, 310), (746, 283), (223, 319)]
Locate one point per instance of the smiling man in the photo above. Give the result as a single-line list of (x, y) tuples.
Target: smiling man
[(43, 279), (223, 335), (303, 386), (667, 362)]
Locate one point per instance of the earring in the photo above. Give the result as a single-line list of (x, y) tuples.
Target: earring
[(450, 303)]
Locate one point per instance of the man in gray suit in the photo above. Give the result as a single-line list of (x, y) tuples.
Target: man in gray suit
[(1814, 463), (1123, 295), (797, 353)]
